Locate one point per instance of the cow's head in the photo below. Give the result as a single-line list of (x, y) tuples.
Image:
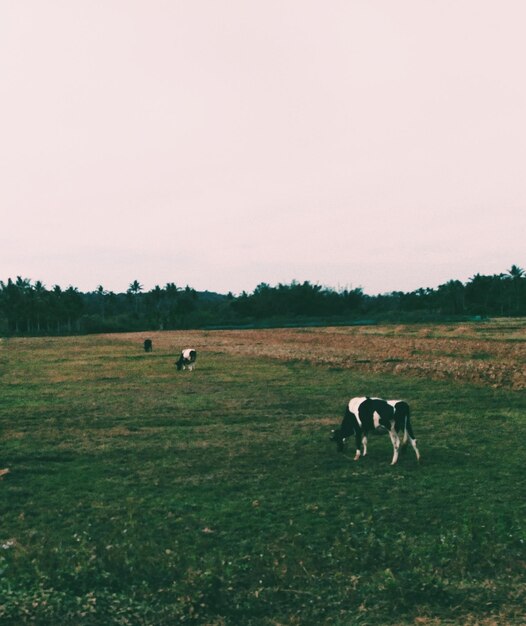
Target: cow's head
[(179, 364), (336, 435)]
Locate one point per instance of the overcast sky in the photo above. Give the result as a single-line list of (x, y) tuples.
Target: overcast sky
[(222, 143)]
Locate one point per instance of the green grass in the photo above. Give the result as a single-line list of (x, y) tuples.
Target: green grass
[(142, 495)]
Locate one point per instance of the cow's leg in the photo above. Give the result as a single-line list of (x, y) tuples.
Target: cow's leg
[(364, 443), (358, 440), (403, 443), (413, 443), (395, 440), (409, 433)]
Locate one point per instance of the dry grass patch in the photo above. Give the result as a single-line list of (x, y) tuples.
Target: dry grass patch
[(481, 353)]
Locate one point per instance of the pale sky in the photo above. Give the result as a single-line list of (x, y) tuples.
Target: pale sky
[(222, 143)]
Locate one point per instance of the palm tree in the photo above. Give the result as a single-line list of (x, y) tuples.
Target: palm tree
[(23, 288), (516, 274), (56, 305), (101, 292), (134, 289), (73, 306), (154, 300), (39, 291), (10, 304)]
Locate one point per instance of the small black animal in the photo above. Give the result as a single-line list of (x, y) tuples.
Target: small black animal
[(148, 345), (363, 415)]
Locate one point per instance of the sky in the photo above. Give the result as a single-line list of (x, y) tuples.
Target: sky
[(378, 144)]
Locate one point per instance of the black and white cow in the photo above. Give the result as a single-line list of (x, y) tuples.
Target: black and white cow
[(363, 415), (187, 359)]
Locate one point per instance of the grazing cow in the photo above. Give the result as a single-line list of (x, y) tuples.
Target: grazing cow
[(148, 345), (363, 415), (187, 359)]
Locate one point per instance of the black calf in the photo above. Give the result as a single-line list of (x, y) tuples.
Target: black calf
[(148, 345)]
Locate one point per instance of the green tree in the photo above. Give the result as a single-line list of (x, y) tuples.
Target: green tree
[(154, 302), (518, 278), (451, 297), (72, 307), (134, 290), (12, 305), (101, 294), (39, 302)]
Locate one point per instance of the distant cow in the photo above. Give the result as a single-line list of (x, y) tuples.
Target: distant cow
[(187, 359), (363, 415), (148, 345)]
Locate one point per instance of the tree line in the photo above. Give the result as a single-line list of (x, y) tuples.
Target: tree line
[(29, 308)]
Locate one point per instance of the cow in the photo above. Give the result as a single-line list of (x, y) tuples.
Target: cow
[(363, 415), (148, 345), (187, 359)]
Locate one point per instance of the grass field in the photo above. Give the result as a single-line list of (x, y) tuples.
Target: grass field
[(142, 495)]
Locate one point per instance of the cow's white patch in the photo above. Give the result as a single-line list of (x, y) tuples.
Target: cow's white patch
[(376, 419), (354, 405)]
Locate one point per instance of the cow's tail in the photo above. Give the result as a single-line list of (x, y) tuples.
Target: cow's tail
[(408, 430), (404, 418), (409, 427)]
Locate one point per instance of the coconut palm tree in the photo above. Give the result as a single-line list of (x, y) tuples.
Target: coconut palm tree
[(134, 289), (517, 275), (39, 297), (101, 293)]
